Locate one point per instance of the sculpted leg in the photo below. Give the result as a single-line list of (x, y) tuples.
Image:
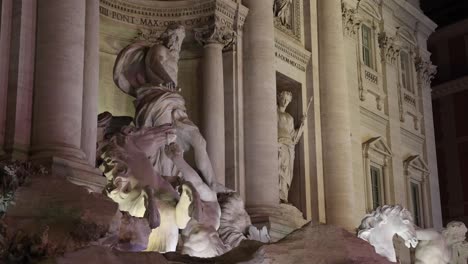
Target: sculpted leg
[(152, 212), (202, 161)]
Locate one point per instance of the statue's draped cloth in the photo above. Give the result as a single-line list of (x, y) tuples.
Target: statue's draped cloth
[(151, 104), (286, 145)]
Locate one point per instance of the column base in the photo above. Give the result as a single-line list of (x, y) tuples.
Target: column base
[(15, 152), (280, 220), (76, 171)]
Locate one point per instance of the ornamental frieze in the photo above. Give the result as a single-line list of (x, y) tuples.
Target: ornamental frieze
[(158, 15), (294, 56)]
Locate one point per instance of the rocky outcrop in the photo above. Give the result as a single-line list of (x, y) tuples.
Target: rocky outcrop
[(51, 216), (321, 244)]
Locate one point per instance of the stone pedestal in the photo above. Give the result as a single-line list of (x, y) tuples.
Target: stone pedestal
[(58, 91)]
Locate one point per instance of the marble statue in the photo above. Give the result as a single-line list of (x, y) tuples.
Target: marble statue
[(148, 72), (139, 189), (282, 10), (442, 248), (379, 227), (288, 137), (131, 174), (455, 235), (200, 237), (432, 248), (145, 166)]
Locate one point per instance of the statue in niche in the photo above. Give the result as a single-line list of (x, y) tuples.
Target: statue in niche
[(288, 137), (282, 10)]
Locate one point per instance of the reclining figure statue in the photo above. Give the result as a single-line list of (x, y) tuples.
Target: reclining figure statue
[(431, 247)]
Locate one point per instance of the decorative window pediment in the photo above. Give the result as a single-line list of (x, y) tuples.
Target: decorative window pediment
[(406, 35), (377, 145), (416, 171), (376, 154), (371, 9), (415, 164)]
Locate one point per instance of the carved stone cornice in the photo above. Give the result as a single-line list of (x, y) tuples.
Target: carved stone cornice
[(351, 22), (292, 54), (426, 71), (389, 47), (157, 15), (215, 34), (450, 87)]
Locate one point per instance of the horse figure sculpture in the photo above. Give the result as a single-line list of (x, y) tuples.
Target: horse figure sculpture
[(379, 227)]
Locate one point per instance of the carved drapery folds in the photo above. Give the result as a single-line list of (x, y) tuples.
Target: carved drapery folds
[(215, 33), (390, 48), (282, 11), (351, 22), (287, 17), (426, 71)]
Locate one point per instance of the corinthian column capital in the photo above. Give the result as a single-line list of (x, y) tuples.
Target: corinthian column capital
[(215, 34)]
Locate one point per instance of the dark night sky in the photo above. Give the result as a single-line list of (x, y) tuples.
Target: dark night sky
[(445, 12)]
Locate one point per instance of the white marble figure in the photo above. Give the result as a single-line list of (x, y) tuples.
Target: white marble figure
[(288, 137), (200, 237), (442, 248), (455, 235), (379, 227), (148, 72), (432, 248), (139, 189)]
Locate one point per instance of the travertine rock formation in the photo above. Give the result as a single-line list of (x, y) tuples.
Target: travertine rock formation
[(310, 244)]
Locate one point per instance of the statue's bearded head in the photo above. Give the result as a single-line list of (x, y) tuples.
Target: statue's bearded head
[(284, 98)]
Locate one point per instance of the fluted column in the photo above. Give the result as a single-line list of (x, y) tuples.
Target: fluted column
[(91, 82), (59, 78), (260, 117), (6, 16), (58, 92), (214, 38), (336, 128)]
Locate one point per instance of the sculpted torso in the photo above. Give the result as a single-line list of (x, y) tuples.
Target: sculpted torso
[(285, 128)]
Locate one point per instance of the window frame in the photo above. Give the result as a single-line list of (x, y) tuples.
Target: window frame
[(407, 82), (379, 185), (370, 47), (376, 154), (417, 174)]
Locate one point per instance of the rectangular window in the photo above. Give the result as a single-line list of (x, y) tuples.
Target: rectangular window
[(405, 71), (376, 186), (367, 45), (416, 200)]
